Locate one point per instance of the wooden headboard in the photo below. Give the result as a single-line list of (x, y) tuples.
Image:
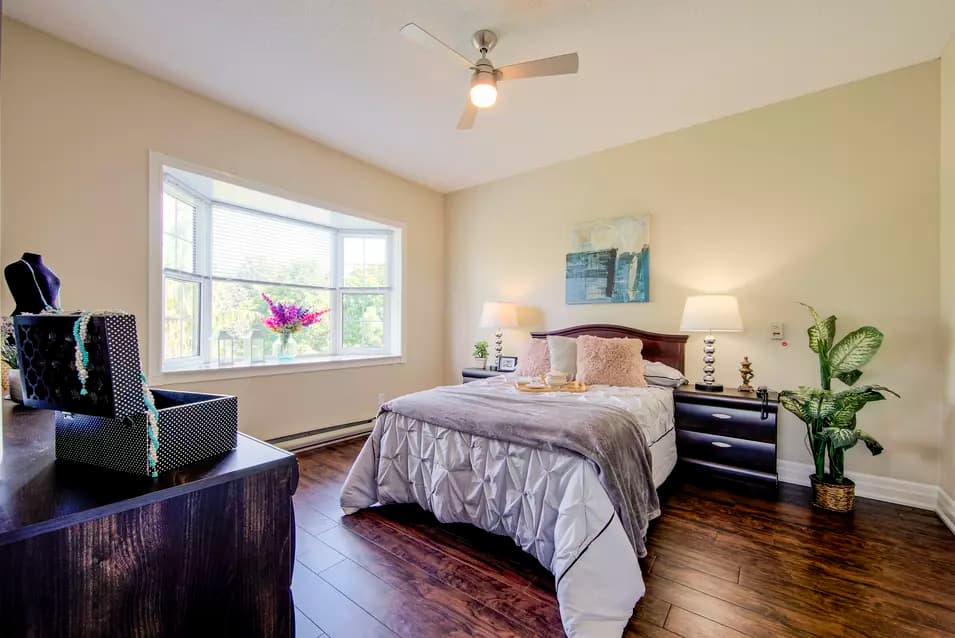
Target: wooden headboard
[(668, 349)]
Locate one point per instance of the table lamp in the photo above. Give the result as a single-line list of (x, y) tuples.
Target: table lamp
[(498, 315), (709, 314)]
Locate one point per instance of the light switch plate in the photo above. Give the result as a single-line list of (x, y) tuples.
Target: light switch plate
[(776, 331)]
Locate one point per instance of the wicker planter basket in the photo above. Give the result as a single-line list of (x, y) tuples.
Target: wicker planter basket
[(831, 496)]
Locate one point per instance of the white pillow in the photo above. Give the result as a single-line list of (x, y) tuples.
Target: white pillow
[(563, 355), (662, 375)]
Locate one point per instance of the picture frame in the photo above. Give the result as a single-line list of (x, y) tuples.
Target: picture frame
[(507, 364)]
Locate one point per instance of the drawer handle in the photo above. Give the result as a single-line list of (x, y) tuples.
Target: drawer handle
[(721, 416), (721, 444)]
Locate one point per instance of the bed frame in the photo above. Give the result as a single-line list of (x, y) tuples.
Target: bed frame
[(668, 349)]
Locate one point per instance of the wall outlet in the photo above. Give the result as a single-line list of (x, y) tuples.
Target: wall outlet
[(776, 331)]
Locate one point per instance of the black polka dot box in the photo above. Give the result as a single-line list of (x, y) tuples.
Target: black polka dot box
[(192, 426), (107, 416)]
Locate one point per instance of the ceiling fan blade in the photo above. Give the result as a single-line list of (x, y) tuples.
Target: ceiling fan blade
[(419, 36), (467, 117), (557, 65)]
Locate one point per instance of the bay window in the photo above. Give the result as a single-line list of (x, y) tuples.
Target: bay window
[(224, 245)]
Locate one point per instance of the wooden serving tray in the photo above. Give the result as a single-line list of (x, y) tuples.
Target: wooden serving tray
[(573, 386)]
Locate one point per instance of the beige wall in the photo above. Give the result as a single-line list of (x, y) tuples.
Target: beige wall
[(830, 198), (947, 264), (78, 129)]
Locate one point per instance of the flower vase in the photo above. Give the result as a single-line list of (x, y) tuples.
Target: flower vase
[(285, 348)]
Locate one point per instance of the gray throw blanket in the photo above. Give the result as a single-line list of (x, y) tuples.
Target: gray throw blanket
[(607, 435)]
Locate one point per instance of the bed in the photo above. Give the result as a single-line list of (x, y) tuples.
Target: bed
[(571, 478)]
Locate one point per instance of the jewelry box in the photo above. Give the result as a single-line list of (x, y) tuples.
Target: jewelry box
[(105, 421)]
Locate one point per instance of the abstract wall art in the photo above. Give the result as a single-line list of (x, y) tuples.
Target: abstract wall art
[(609, 261)]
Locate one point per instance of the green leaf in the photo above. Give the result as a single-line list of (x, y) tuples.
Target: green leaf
[(821, 334), (845, 417), (868, 393), (841, 438), (855, 349), (880, 389), (849, 378), (796, 405), (811, 405), (850, 401), (874, 446)]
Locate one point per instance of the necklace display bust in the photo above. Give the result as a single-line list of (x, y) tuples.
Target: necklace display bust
[(33, 285)]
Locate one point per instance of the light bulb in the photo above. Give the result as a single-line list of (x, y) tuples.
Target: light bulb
[(483, 90), (483, 95)]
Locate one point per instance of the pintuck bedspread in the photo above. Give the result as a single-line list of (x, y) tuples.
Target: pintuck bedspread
[(567, 476)]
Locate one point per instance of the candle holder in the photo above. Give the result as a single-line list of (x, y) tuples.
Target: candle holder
[(746, 372)]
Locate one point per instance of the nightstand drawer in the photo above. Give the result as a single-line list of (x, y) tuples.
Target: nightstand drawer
[(726, 421), (476, 374), (724, 450)]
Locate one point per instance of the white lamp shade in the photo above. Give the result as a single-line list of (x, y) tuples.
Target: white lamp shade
[(711, 313), (498, 314)]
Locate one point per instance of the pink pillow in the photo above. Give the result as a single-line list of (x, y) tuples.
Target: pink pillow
[(610, 361), (535, 360)]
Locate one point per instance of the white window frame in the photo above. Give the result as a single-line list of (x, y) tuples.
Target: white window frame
[(184, 194), (363, 290), (201, 367)]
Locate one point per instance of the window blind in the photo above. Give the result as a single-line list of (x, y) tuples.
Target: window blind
[(255, 246)]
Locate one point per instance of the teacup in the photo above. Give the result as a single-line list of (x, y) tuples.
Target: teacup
[(555, 377)]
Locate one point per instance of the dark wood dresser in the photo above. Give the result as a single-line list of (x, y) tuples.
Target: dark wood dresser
[(729, 433), (474, 374), (205, 550)]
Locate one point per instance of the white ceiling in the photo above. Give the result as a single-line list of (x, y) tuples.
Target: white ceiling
[(339, 72)]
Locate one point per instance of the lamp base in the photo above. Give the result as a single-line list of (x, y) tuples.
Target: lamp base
[(710, 387)]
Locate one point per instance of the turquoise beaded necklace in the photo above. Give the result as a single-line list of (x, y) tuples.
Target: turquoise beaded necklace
[(46, 304), (80, 330)]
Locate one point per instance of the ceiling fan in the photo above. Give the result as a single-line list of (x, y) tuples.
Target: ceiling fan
[(485, 76)]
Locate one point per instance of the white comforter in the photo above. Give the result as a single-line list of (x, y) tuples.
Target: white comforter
[(550, 502)]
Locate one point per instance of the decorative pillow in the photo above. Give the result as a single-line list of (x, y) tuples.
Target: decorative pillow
[(610, 361), (535, 359), (563, 355), (662, 375)]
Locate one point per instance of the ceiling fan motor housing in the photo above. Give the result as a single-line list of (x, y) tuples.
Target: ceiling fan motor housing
[(484, 41)]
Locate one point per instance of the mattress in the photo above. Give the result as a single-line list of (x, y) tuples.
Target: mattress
[(549, 501), (663, 453)]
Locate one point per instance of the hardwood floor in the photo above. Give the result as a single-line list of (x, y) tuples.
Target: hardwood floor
[(720, 563)]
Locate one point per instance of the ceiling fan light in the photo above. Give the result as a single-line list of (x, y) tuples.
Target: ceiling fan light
[(483, 90)]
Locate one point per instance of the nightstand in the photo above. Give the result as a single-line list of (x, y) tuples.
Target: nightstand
[(474, 374), (730, 433)]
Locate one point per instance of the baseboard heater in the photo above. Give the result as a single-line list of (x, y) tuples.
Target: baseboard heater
[(301, 441)]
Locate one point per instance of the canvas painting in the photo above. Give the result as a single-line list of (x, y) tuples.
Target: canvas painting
[(609, 261)]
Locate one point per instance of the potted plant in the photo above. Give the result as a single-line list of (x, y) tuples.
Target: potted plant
[(480, 355), (830, 417)]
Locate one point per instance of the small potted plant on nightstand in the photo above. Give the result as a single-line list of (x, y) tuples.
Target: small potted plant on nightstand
[(830, 417), (480, 355)]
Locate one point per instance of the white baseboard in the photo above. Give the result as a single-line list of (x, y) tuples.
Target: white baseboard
[(946, 509), (920, 495), (320, 439)]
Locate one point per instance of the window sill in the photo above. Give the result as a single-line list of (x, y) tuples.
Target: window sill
[(212, 372)]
